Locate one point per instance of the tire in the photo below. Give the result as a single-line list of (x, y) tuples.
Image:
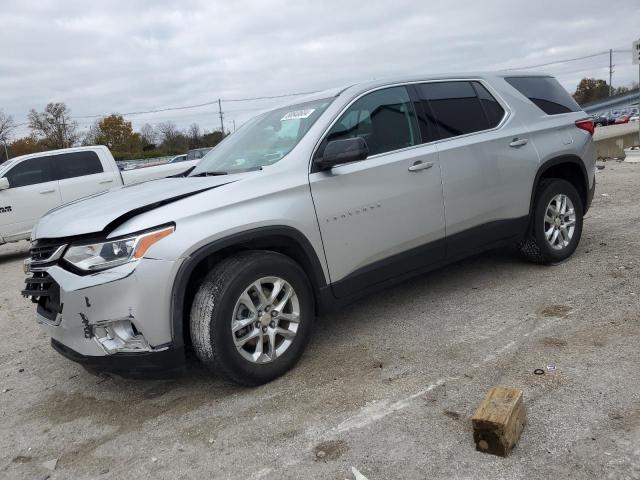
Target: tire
[(537, 247), (218, 303)]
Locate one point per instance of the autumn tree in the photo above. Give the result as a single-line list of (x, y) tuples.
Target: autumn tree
[(211, 139), (25, 146), (591, 89), (117, 134), (54, 126)]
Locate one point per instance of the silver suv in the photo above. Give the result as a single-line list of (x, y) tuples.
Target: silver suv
[(305, 208)]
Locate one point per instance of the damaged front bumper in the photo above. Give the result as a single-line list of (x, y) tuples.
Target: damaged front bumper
[(117, 320), (134, 365)]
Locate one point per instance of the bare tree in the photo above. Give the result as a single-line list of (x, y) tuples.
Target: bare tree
[(167, 131), (148, 135), (194, 135), (6, 125), (54, 126), (172, 139), (92, 136)]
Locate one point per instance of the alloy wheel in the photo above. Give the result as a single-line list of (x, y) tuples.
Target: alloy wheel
[(265, 320), (559, 222)]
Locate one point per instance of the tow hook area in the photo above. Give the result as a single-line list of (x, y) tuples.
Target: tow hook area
[(117, 336)]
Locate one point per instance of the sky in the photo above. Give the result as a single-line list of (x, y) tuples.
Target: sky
[(120, 56)]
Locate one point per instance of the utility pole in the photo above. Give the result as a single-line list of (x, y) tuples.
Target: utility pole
[(64, 134), (610, 71), (220, 112)]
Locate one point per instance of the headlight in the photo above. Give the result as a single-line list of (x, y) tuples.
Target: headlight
[(93, 257)]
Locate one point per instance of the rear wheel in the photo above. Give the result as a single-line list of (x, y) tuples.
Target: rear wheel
[(556, 224), (251, 317)]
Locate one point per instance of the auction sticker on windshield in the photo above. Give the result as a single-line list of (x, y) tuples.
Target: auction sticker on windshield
[(298, 114)]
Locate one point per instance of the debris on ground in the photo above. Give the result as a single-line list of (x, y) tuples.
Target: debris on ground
[(330, 450), (499, 421), (50, 464), (452, 414)]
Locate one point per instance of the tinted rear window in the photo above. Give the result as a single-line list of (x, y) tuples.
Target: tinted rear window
[(546, 93), (76, 164), (455, 107)]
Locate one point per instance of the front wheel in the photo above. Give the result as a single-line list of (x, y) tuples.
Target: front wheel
[(556, 224), (251, 317)]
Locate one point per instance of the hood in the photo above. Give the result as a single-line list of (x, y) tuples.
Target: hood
[(105, 211)]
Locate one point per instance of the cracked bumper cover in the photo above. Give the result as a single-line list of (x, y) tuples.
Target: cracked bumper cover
[(132, 301)]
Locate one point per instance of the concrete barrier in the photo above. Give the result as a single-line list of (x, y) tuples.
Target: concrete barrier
[(612, 140)]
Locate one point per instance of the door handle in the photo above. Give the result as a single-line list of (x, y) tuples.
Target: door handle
[(518, 142), (105, 181), (417, 166), (44, 192)]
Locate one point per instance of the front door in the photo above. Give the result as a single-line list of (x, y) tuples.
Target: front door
[(381, 217), (33, 192)]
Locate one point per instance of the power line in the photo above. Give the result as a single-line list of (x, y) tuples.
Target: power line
[(269, 98), (199, 105), (559, 61), (569, 60)]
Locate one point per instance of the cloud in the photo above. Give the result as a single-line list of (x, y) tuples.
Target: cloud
[(121, 56)]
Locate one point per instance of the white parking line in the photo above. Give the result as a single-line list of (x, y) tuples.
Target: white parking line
[(377, 410)]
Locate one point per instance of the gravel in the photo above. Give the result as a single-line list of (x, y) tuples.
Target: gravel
[(388, 385)]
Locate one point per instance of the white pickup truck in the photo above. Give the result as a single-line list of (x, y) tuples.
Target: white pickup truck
[(31, 185)]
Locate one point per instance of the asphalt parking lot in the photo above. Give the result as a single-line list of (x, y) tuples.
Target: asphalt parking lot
[(387, 385)]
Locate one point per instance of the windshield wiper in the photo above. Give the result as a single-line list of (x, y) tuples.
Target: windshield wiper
[(216, 173), (209, 174)]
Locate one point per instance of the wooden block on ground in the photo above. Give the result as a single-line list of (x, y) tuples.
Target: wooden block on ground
[(499, 421)]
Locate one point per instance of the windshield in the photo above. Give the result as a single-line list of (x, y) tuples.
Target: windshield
[(264, 140)]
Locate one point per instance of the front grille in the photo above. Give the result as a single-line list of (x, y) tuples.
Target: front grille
[(45, 251), (41, 287), (40, 253)]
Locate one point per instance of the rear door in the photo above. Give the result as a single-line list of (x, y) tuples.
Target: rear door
[(487, 163), (33, 192), (81, 174), (381, 217)]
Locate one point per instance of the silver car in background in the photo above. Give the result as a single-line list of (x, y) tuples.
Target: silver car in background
[(306, 208)]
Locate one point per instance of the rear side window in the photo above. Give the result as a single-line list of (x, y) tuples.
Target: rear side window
[(492, 108), (31, 172), (77, 164), (456, 109), (546, 93), (384, 118)]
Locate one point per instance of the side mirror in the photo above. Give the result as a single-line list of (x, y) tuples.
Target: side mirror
[(4, 183), (342, 151)]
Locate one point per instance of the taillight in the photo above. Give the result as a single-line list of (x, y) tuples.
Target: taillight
[(586, 125)]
